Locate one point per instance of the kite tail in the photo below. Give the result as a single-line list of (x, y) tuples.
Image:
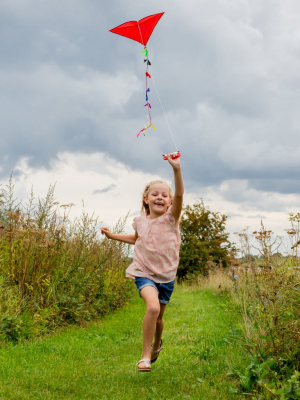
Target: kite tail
[(148, 105)]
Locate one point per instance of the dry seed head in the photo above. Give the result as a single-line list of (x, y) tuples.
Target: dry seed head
[(12, 215), (291, 232)]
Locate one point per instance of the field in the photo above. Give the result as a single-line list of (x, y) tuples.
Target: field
[(201, 348)]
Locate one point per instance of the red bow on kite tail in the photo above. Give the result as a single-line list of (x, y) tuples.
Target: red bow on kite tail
[(141, 31)]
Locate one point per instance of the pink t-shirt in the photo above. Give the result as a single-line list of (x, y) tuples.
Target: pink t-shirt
[(156, 251)]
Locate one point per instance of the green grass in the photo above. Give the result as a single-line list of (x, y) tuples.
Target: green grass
[(98, 362)]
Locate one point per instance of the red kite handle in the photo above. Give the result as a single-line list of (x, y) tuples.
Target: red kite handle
[(173, 155)]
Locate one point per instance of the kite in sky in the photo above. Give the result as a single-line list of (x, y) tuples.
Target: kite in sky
[(141, 31)]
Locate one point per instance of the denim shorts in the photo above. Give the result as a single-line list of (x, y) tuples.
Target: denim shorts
[(164, 290)]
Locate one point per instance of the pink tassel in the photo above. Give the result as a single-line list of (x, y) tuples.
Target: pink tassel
[(142, 130)]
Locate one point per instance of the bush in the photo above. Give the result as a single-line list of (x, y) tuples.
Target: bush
[(204, 240), (54, 271)]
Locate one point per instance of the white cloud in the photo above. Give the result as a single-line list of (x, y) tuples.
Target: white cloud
[(76, 179)]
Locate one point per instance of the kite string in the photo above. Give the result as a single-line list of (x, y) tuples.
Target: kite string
[(164, 111)]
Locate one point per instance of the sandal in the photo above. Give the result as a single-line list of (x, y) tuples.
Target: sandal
[(153, 352), (147, 365)]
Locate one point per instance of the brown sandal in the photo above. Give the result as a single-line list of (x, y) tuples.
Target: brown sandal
[(154, 352), (147, 365)]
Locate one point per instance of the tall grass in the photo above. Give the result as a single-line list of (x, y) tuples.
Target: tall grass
[(54, 271), (268, 304)]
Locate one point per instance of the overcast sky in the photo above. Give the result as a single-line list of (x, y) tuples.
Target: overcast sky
[(228, 75)]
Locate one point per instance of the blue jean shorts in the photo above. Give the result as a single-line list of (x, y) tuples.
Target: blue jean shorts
[(164, 290)]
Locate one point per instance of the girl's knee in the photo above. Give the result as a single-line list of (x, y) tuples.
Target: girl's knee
[(159, 320), (153, 309)]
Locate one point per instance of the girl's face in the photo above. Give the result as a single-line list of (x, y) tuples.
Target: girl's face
[(158, 199)]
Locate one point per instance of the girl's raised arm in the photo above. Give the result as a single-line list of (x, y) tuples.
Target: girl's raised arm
[(176, 207)]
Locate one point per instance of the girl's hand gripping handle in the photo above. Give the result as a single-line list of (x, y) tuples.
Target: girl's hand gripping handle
[(175, 162)]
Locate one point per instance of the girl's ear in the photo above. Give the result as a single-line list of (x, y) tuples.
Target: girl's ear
[(145, 200)]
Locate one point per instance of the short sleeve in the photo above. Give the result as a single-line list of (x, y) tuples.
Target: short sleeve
[(134, 224)]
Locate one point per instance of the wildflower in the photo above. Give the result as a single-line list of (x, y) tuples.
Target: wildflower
[(235, 276)]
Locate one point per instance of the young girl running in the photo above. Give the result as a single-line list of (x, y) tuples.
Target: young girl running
[(156, 256)]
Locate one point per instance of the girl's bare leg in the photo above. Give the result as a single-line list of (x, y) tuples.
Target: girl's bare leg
[(159, 327), (150, 296)]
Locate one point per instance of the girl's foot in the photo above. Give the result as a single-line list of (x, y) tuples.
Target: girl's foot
[(144, 365), (155, 352)]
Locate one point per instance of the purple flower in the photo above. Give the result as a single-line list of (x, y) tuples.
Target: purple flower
[(235, 276)]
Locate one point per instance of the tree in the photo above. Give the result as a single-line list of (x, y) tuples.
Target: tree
[(203, 240)]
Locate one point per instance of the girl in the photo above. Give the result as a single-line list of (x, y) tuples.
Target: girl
[(156, 256)]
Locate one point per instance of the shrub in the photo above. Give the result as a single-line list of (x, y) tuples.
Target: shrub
[(204, 240)]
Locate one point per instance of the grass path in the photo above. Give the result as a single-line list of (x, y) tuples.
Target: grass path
[(98, 362)]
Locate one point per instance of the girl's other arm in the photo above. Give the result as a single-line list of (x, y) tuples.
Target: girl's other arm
[(179, 188), (130, 239)]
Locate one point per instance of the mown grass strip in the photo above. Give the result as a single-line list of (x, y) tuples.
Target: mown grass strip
[(98, 362)]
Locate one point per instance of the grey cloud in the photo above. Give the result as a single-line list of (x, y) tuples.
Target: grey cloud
[(239, 215), (249, 199), (105, 190), (258, 216)]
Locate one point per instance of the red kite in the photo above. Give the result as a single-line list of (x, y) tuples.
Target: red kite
[(141, 30)]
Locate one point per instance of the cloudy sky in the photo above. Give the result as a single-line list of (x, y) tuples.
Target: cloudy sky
[(227, 72)]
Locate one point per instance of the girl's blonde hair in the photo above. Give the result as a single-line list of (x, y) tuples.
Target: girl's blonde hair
[(145, 207)]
